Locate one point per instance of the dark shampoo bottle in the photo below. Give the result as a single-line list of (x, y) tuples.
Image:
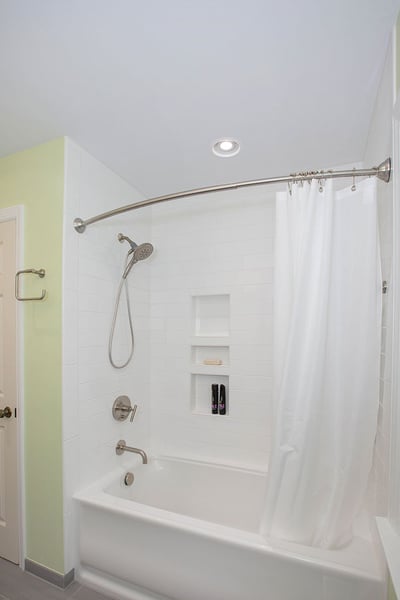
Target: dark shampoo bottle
[(214, 398), (222, 400)]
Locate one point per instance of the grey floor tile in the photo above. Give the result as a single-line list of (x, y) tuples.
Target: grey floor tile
[(16, 584), (31, 588)]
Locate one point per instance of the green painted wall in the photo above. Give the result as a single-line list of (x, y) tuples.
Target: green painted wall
[(391, 592), (35, 179)]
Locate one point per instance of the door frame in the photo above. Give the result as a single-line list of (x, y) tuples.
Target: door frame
[(394, 468), (16, 213)]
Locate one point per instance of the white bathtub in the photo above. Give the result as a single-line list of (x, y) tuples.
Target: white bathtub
[(188, 531)]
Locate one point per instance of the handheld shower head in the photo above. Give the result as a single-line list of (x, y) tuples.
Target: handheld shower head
[(143, 251), (139, 253)]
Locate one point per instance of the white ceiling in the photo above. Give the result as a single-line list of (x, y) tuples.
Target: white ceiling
[(147, 86)]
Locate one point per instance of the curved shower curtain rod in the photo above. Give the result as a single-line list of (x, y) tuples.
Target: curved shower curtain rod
[(383, 172)]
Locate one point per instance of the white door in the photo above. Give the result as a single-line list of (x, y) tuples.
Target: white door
[(9, 511)]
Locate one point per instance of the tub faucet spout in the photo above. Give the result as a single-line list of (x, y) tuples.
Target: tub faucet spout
[(121, 447)]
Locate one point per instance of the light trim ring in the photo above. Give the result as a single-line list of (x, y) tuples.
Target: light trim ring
[(226, 147)]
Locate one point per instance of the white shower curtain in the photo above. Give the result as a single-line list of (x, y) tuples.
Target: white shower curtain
[(327, 347)]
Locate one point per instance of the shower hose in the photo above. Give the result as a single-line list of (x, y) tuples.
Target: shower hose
[(122, 283)]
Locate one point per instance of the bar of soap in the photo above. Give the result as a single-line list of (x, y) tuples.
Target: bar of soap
[(212, 361)]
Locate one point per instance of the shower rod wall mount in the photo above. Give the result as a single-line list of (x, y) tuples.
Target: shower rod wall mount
[(382, 172)]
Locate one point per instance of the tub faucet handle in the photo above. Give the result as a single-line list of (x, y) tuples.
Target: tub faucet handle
[(122, 407), (133, 412)]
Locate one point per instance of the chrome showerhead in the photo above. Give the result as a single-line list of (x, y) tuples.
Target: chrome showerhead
[(140, 252), (143, 251)]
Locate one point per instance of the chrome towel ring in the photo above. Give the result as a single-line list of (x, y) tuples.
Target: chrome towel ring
[(41, 273)]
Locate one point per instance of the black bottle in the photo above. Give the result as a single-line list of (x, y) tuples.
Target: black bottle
[(222, 400), (214, 398)]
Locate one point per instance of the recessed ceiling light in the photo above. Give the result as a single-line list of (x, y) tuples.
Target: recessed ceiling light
[(226, 147)]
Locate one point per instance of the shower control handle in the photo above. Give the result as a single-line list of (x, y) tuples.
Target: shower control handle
[(133, 412), (122, 407)]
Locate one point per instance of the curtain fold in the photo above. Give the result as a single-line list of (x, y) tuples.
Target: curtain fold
[(327, 322)]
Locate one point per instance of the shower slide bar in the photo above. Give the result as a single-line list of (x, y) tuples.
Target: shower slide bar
[(383, 172)]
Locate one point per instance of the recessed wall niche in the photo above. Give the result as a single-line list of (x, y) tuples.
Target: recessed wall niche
[(201, 393), (215, 356), (209, 360), (211, 315)]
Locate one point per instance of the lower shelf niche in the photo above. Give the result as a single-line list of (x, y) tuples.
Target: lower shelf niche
[(217, 353), (201, 393)]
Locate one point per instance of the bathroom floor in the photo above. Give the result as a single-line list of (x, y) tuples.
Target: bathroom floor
[(16, 584)]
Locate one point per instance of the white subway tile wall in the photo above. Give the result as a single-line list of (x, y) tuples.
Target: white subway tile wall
[(382, 441), (379, 146), (93, 263), (209, 247)]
